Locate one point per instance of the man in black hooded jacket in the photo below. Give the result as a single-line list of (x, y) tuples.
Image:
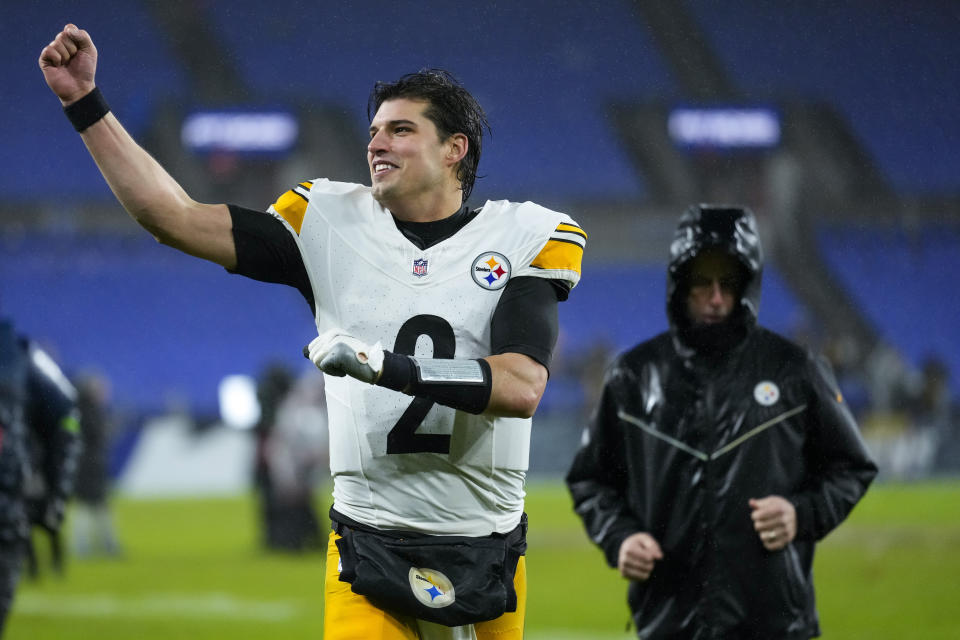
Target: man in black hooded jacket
[(719, 454), (38, 434)]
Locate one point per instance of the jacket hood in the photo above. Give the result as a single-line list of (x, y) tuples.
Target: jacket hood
[(730, 229)]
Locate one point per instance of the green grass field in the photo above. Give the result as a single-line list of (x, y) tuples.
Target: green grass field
[(192, 569)]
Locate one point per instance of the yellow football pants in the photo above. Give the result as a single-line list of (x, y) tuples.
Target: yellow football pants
[(348, 616)]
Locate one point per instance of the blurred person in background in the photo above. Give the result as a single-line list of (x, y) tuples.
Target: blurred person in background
[(291, 449), (91, 525), (273, 385), (429, 441), (297, 451), (933, 417), (719, 454), (39, 432)]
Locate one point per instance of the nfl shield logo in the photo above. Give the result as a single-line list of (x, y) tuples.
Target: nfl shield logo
[(420, 267)]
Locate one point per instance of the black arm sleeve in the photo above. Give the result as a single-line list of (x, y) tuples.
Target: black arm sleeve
[(525, 320), (839, 465), (599, 475), (267, 252), (52, 415)]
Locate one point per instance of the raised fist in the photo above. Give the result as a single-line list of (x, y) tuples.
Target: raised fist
[(69, 64)]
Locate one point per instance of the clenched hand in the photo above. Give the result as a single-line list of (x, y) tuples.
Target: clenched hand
[(638, 555), (69, 64), (775, 521)]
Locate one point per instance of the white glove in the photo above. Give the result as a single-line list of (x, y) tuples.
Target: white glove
[(337, 353)]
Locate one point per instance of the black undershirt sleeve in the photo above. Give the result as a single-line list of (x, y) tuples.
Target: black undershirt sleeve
[(525, 320), (267, 252)]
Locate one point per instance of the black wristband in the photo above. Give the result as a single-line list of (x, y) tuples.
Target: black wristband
[(400, 374), (87, 110), (398, 371)]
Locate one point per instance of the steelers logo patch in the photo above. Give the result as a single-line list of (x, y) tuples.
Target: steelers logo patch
[(766, 393), (431, 587), (491, 270)]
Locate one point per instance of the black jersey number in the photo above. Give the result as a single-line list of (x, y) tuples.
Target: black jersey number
[(403, 438)]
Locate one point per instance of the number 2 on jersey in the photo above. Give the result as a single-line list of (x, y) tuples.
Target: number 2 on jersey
[(403, 437)]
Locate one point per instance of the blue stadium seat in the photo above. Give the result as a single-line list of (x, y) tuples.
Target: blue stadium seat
[(543, 70), (161, 325), (43, 157), (890, 68), (905, 282)]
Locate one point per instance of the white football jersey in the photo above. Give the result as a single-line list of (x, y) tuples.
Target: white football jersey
[(401, 462)]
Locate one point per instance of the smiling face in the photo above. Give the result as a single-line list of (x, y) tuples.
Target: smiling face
[(715, 281), (413, 171)]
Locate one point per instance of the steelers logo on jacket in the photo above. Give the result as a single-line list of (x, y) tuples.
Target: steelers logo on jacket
[(766, 393)]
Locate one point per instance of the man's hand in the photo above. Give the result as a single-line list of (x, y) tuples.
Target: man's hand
[(775, 521), (69, 64), (638, 555), (337, 353)]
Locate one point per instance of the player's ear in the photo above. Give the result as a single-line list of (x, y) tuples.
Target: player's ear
[(457, 145)]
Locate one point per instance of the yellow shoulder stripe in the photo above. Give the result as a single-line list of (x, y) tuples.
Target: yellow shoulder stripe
[(559, 254), (292, 205), (572, 229)]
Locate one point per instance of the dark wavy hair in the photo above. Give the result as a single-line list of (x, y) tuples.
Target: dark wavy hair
[(452, 109)]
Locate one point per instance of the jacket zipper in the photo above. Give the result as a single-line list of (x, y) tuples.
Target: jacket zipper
[(709, 505)]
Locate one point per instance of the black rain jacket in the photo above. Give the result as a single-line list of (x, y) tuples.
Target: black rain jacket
[(684, 437), (38, 431)]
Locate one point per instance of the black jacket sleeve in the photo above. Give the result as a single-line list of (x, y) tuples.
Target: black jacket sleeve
[(51, 414), (839, 467), (598, 478)]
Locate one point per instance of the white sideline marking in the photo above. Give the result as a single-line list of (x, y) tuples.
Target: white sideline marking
[(183, 605), (212, 605)]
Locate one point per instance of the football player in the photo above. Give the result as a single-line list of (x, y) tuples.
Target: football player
[(436, 323)]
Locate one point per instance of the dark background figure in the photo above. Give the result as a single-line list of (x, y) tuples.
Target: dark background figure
[(91, 527), (36, 402), (273, 386), (719, 454), (933, 413), (296, 451)]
